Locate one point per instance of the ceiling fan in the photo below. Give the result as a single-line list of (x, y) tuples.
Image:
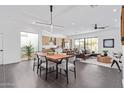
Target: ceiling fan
[(51, 20), (99, 27)]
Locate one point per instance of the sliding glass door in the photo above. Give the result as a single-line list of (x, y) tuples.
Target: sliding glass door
[(81, 43), (90, 44), (77, 43)]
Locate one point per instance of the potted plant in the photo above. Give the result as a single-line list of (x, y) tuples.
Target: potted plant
[(27, 51), (50, 52), (105, 52)]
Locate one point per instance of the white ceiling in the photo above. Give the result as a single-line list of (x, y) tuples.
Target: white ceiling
[(76, 19)]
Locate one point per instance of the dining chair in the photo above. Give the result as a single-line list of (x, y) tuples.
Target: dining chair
[(116, 59), (35, 61), (46, 64), (68, 65)]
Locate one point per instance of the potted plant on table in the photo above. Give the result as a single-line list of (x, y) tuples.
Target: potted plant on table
[(50, 52), (105, 52)]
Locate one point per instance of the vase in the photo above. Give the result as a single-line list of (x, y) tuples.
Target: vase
[(105, 54)]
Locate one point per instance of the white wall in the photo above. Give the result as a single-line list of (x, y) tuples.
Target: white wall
[(11, 27), (11, 34), (12, 22), (105, 34)]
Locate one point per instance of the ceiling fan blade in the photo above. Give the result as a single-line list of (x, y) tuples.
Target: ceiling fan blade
[(103, 27), (49, 24), (43, 23), (58, 26)]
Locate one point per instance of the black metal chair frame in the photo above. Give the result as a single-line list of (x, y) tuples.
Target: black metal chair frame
[(116, 62), (41, 68), (38, 63), (67, 70)]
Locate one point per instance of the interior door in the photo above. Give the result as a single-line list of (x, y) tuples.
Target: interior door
[(1, 49)]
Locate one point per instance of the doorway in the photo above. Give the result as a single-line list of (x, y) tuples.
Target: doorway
[(29, 44), (1, 49)]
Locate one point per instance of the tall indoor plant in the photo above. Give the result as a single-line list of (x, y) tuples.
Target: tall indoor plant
[(27, 51)]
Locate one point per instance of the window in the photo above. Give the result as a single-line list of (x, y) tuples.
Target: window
[(81, 43), (29, 38), (77, 44), (90, 44), (26, 40)]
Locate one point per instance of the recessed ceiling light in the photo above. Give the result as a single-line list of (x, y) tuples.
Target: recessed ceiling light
[(114, 10)]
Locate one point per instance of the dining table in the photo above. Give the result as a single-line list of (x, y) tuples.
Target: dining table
[(57, 58), (54, 56)]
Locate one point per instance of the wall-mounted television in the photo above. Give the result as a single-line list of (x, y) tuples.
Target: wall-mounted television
[(108, 43)]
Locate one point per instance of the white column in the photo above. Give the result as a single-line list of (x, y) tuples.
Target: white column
[(40, 41)]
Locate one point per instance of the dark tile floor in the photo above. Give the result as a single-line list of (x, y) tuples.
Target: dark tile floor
[(21, 75)]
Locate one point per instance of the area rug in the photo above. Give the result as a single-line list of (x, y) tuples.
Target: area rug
[(95, 62)]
